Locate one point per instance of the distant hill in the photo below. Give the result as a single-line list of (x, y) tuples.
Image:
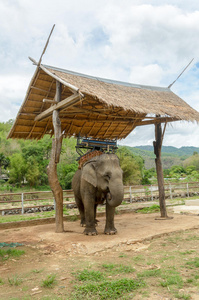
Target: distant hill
[(183, 151), (170, 155)]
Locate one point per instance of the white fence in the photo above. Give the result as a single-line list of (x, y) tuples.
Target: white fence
[(38, 201)]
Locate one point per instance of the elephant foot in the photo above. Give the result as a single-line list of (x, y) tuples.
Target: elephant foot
[(83, 222), (110, 231), (90, 231), (96, 222)]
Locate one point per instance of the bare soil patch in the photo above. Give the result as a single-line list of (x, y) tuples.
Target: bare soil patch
[(47, 252)]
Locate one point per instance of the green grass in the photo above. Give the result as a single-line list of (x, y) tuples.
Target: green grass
[(192, 238), (193, 263), (14, 280), (149, 273), (183, 296), (151, 209), (87, 275), (187, 252), (108, 289), (73, 218), (172, 279), (49, 282), (36, 216), (7, 253), (139, 258), (118, 269)]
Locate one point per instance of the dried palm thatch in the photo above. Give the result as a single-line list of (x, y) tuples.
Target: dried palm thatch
[(94, 107)]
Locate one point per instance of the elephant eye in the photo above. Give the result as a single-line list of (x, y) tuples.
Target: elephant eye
[(107, 176)]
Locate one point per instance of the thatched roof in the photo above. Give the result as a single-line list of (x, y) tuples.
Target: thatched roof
[(94, 107)]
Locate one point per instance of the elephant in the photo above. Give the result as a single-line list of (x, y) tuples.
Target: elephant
[(99, 179)]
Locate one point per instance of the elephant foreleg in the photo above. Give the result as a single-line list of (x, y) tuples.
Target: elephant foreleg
[(90, 212), (109, 227)]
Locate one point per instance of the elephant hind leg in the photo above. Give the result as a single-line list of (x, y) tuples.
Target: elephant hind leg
[(80, 207)]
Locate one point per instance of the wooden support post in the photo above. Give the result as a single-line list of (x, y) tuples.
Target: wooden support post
[(157, 150), (52, 167)]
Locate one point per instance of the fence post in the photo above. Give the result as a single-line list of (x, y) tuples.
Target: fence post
[(171, 196), (22, 206), (54, 203), (187, 190), (130, 192), (151, 193)]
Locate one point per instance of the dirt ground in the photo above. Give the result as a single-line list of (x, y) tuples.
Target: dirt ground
[(132, 228), (60, 252)]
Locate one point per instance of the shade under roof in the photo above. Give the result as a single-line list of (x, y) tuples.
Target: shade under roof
[(94, 107)]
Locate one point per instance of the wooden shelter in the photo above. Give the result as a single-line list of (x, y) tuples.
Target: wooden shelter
[(94, 107), (65, 103)]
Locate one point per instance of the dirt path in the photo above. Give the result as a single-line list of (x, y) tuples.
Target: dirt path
[(132, 228)]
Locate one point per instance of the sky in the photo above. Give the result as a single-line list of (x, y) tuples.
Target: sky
[(147, 42)]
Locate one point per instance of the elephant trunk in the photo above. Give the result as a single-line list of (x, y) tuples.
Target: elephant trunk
[(116, 193)]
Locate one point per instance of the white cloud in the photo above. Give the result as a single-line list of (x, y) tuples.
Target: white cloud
[(12, 87), (140, 41)]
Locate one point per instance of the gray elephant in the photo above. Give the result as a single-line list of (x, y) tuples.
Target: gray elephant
[(100, 179)]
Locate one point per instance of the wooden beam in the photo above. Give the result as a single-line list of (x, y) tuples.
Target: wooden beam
[(65, 83), (46, 45), (50, 101), (70, 86), (60, 105), (157, 121), (39, 89)]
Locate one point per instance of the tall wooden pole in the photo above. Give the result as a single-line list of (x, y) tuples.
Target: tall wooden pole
[(157, 150), (54, 160)]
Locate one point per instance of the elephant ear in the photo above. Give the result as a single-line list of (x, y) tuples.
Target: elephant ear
[(89, 173)]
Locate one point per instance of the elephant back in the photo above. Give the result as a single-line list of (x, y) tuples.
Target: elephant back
[(88, 156)]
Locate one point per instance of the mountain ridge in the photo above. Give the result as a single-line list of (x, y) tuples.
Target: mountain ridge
[(184, 150), (170, 155)]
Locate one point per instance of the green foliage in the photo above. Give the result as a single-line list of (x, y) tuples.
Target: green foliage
[(17, 169), (192, 161), (147, 175), (131, 166), (4, 162), (66, 173), (25, 162), (177, 170)]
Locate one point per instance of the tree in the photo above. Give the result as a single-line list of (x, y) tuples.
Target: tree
[(131, 165), (66, 173), (4, 162), (32, 171), (17, 169), (192, 161)]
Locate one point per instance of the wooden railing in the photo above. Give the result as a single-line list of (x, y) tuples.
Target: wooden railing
[(32, 200)]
